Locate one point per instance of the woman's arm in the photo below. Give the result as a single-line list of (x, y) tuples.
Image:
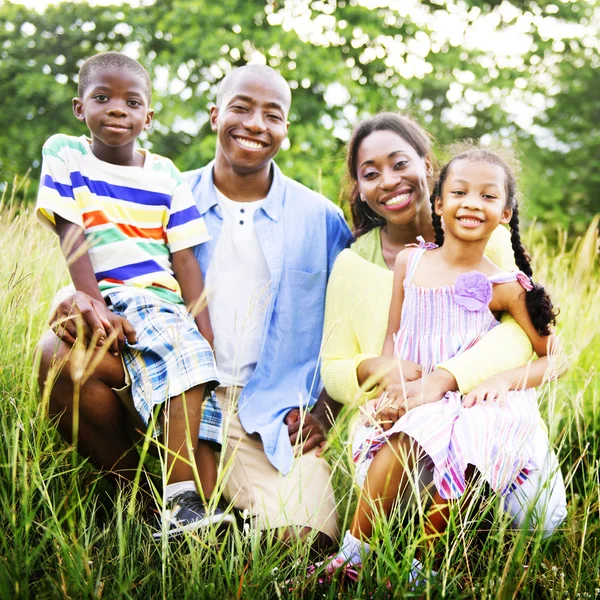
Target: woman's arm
[(551, 363)]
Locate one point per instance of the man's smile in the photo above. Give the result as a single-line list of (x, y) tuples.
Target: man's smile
[(250, 144)]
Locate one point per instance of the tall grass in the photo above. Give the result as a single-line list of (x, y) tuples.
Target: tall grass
[(65, 534)]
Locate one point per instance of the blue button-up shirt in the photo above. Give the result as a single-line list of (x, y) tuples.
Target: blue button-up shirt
[(300, 233)]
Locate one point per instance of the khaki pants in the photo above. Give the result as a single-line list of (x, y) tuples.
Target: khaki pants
[(303, 498)]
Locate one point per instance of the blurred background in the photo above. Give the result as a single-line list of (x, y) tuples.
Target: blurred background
[(524, 74)]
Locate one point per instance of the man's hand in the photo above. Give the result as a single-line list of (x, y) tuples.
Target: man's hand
[(79, 312), (305, 430), (494, 388)]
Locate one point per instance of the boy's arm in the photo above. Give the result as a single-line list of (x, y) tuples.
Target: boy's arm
[(189, 276), (72, 241)]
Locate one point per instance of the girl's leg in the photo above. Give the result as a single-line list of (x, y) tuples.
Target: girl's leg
[(386, 479)]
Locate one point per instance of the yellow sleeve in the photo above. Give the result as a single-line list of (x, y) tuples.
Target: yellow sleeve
[(506, 346), (340, 344), (342, 351)]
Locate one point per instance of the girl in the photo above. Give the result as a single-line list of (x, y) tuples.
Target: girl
[(427, 325)]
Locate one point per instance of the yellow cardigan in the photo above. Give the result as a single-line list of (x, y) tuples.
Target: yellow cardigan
[(356, 315)]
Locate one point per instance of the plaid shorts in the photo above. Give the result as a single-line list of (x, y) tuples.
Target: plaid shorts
[(169, 357)]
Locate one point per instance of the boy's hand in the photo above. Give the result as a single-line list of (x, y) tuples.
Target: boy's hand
[(494, 388), (78, 310), (118, 329), (93, 318)]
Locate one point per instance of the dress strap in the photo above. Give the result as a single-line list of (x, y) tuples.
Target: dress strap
[(415, 256), (519, 276)]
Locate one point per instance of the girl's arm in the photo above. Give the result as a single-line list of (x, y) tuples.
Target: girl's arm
[(395, 314), (550, 364), (189, 276), (73, 244)]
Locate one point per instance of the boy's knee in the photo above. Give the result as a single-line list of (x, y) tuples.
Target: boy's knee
[(50, 351)]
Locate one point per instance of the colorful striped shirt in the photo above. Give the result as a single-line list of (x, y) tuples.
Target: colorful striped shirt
[(133, 217)]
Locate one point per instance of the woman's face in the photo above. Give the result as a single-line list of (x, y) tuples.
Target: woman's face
[(392, 177)]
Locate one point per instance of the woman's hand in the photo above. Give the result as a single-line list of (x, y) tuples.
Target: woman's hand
[(384, 371), (494, 388), (401, 399)]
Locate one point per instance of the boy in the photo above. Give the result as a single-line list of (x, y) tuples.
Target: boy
[(128, 223)]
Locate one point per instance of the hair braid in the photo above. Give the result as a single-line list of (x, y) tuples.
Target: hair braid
[(436, 220), (521, 257), (539, 305)]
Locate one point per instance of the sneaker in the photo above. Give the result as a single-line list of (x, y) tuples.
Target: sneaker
[(187, 512), (418, 576)]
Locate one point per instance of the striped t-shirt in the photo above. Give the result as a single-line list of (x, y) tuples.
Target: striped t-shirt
[(133, 217)]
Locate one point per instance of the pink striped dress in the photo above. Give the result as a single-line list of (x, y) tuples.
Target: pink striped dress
[(497, 441)]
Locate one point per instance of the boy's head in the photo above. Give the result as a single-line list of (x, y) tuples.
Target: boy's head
[(112, 61), (251, 117), (114, 103)]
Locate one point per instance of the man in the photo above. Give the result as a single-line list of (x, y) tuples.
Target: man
[(274, 244)]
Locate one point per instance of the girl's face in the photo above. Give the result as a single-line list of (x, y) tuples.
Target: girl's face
[(392, 177), (473, 201)]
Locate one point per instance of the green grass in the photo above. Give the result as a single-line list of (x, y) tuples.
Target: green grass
[(64, 535)]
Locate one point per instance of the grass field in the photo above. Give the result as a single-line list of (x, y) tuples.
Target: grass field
[(63, 537)]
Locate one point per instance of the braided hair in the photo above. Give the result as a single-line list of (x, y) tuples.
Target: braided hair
[(539, 305), (364, 219)]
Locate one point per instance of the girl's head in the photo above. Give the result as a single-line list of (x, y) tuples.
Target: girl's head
[(388, 161), (475, 192)]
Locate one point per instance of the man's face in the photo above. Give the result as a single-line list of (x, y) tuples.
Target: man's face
[(251, 122)]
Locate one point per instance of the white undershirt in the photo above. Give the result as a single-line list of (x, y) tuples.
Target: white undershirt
[(237, 285)]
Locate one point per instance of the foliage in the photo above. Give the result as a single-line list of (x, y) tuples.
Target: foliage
[(344, 59), (64, 536)]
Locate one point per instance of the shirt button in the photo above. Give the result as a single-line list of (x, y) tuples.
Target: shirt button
[(241, 222), (242, 210)]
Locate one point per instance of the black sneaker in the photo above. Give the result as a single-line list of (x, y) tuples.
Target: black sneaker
[(187, 512)]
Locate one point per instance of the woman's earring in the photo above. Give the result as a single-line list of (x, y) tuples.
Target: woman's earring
[(362, 198)]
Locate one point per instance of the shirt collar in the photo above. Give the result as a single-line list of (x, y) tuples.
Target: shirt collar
[(207, 197)]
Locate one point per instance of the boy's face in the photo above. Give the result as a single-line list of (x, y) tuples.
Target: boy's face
[(114, 107), (251, 122)]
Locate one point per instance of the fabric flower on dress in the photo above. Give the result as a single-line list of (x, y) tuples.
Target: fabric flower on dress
[(473, 291)]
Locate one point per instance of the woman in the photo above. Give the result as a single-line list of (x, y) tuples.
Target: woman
[(390, 165)]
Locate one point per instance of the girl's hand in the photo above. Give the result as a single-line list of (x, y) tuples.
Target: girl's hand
[(492, 389)]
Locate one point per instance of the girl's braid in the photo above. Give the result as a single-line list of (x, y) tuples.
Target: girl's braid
[(436, 220), (521, 257), (539, 305)]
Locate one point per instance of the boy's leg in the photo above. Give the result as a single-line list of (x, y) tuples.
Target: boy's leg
[(207, 468), (186, 503), (102, 420), (181, 423)]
